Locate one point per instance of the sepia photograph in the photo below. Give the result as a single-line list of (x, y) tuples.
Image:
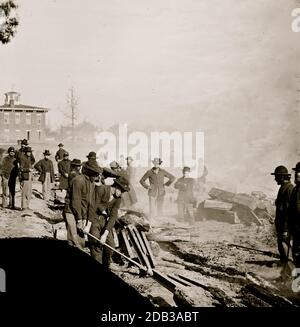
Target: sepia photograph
[(150, 156)]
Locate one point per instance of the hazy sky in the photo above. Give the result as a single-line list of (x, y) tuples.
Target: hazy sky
[(130, 59), (223, 66)]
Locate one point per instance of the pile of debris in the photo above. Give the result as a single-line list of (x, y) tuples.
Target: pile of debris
[(237, 208)]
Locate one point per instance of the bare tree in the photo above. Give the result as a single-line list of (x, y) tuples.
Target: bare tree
[(8, 21)]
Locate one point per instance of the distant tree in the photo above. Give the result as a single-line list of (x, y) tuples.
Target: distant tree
[(8, 21)]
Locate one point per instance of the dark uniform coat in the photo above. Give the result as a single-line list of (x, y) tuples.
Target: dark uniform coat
[(7, 165), (157, 182), (64, 167), (25, 164), (45, 166), (60, 154), (73, 173), (102, 202), (81, 193), (186, 190), (282, 204), (294, 224)]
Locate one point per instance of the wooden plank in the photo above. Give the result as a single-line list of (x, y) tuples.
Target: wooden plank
[(142, 257), (217, 205), (116, 239), (126, 243), (179, 280), (222, 195), (148, 247), (258, 221), (138, 236), (246, 200)]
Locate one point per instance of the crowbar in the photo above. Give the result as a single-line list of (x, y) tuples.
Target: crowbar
[(149, 270)]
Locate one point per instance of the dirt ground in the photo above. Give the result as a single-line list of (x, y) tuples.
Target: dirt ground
[(226, 275)]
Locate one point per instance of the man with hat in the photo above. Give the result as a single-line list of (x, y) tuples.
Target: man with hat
[(294, 217), (64, 167), (186, 199), (21, 151), (282, 203), (72, 235), (59, 155), (25, 169), (46, 170), (103, 214), (6, 167), (156, 189), (81, 193), (115, 166)]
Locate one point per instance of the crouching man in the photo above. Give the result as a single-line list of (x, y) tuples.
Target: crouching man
[(103, 215)]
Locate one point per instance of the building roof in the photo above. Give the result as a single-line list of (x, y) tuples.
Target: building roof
[(22, 107)]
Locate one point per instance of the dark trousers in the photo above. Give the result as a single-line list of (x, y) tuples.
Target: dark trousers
[(12, 191), (281, 249), (296, 250), (99, 252)]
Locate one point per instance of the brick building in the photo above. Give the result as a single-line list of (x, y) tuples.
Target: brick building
[(18, 121)]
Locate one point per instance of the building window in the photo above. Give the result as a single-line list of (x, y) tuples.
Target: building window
[(17, 118), (28, 135), (28, 118), (39, 119), (6, 118)]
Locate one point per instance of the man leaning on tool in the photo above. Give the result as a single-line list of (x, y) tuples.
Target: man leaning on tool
[(72, 235), (156, 189), (282, 177), (81, 194), (294, 217), (103, 215)]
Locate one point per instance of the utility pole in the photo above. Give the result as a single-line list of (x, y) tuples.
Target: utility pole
[(72, 115)]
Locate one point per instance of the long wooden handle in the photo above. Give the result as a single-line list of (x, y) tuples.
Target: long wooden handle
[(116, 251)]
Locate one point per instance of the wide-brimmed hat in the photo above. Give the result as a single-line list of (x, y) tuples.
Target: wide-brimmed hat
[(24, 142), (27, 149), (60, 144), (92, 155), (123, 183), (76, 162), (92, 166), (186, 169), (280, 170), (109, 173), (157, 161), (114, 164), (66, 154), (11, 149), (297, 168), (46, 153)]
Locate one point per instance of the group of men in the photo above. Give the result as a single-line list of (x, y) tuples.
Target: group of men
[(287, 218)]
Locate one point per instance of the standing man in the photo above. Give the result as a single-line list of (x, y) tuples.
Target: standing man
[(81, 194), (129, 199), (45, 168), (186, 199), (64, 167), (103, 215), (294, 218), (156, 189), (72, 236), (26, 177), (59, 155), (21, 152), (6, 168), (282, 203)]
